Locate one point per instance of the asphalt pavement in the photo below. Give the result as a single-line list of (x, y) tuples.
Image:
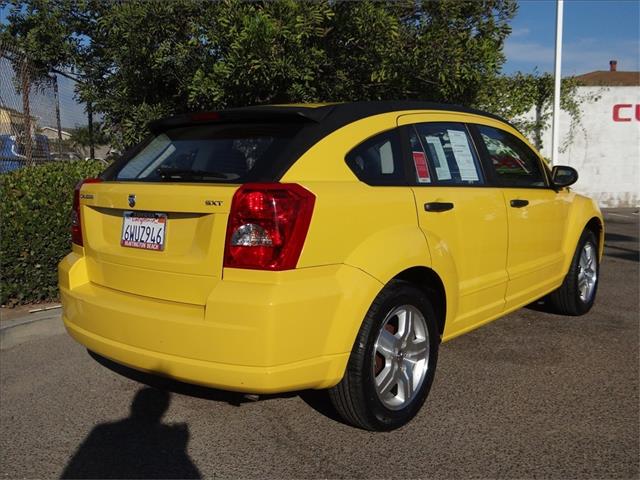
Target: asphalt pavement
[(530, 395)]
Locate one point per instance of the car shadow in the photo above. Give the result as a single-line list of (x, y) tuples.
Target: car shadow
[(318, 400), (621, 252), (617, 237), (139, 446), (543, 305), (174, 386)]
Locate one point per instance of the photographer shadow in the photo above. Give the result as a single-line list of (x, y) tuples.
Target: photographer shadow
[(140, 446)]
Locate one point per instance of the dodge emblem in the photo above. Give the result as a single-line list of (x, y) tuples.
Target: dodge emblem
[(132, 200)]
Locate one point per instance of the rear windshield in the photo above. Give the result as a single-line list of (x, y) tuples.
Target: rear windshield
[(231, 153)]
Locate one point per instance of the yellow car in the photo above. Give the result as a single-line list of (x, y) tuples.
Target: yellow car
[(280, 248)]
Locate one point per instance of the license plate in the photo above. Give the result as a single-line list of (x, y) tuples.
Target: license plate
[(144, 230)]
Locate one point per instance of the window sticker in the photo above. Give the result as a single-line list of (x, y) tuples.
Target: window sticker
[(439, 158), (422, 170), (463, 155)]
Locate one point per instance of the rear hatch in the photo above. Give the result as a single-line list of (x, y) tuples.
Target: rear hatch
[(156, 225)]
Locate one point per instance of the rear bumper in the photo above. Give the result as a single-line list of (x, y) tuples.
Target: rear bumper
[(313, 373), (259, 332)]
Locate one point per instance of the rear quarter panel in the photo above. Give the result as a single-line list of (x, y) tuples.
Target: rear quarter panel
[(373, 228)]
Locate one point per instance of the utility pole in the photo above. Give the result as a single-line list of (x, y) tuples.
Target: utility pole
[(555, 129), (92, 152), (26, 111), (58, 123)]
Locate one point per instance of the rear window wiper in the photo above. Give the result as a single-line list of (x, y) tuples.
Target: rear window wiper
[(171, 173)]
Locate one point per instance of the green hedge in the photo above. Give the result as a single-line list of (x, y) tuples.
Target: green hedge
[(35, 227)]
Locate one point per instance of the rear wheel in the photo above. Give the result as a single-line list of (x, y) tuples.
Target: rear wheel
[(577, 293), (392, 363)]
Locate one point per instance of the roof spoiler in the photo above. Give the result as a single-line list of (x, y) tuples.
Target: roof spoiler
[(266, 113)]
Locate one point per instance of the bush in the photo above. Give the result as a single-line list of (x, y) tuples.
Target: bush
[(35, 227)]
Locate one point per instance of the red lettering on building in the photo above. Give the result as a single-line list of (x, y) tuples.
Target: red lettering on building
[(621, 113), (619, 116)]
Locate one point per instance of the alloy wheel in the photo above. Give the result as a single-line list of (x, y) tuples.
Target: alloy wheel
[(401, 356), (587, 272)]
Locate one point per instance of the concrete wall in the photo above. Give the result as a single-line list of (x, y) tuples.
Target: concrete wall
[(605, 150)]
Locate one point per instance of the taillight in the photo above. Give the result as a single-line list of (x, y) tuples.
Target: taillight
[(267, 227), (76, 225)]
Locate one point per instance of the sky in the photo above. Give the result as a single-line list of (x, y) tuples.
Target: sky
[(594, 32)]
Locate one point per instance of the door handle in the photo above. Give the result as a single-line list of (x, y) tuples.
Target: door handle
[(517, 203), (438, 206)]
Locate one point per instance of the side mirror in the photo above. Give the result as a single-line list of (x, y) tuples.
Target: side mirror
[(563, 176)]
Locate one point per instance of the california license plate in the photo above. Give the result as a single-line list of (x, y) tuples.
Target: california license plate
[(144, 230)]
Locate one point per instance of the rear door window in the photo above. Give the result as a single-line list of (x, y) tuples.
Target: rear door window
[(450, 156), (231, 153)]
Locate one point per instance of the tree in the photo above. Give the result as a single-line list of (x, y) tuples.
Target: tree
[(141, 60), (82, 140), (516, 96)]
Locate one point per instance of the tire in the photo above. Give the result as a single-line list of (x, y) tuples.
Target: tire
[(578, 291), (401, 359)]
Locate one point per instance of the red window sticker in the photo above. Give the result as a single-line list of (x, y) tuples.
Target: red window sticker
[(422, 170)]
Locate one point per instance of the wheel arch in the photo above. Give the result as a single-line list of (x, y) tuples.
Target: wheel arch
[(584, 214), (431, 284), (596, 226)]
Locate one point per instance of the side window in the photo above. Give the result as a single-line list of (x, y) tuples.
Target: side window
[(443, 153), (514, 163), (378, 160)]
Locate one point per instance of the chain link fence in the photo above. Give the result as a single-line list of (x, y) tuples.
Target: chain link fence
[(36, 124)]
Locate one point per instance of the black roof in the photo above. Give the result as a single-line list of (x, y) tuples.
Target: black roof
[(352, 111)]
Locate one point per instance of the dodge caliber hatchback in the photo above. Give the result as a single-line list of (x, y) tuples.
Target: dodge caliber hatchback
[(281, 248)]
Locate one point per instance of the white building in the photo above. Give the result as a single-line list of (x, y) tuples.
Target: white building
[(605, 149), (52, 133)]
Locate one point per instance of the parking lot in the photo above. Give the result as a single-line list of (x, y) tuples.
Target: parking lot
[(530, 395)]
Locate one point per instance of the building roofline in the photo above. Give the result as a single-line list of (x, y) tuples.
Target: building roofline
[(608, 78), (55, 129)]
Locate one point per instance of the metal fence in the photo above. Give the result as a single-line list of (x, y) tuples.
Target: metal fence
[(37, 124)]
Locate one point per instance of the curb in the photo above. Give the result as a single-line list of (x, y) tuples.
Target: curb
[(22, 329)]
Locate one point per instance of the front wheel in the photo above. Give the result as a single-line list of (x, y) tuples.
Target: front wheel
[(393, 361), (577, 293)]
